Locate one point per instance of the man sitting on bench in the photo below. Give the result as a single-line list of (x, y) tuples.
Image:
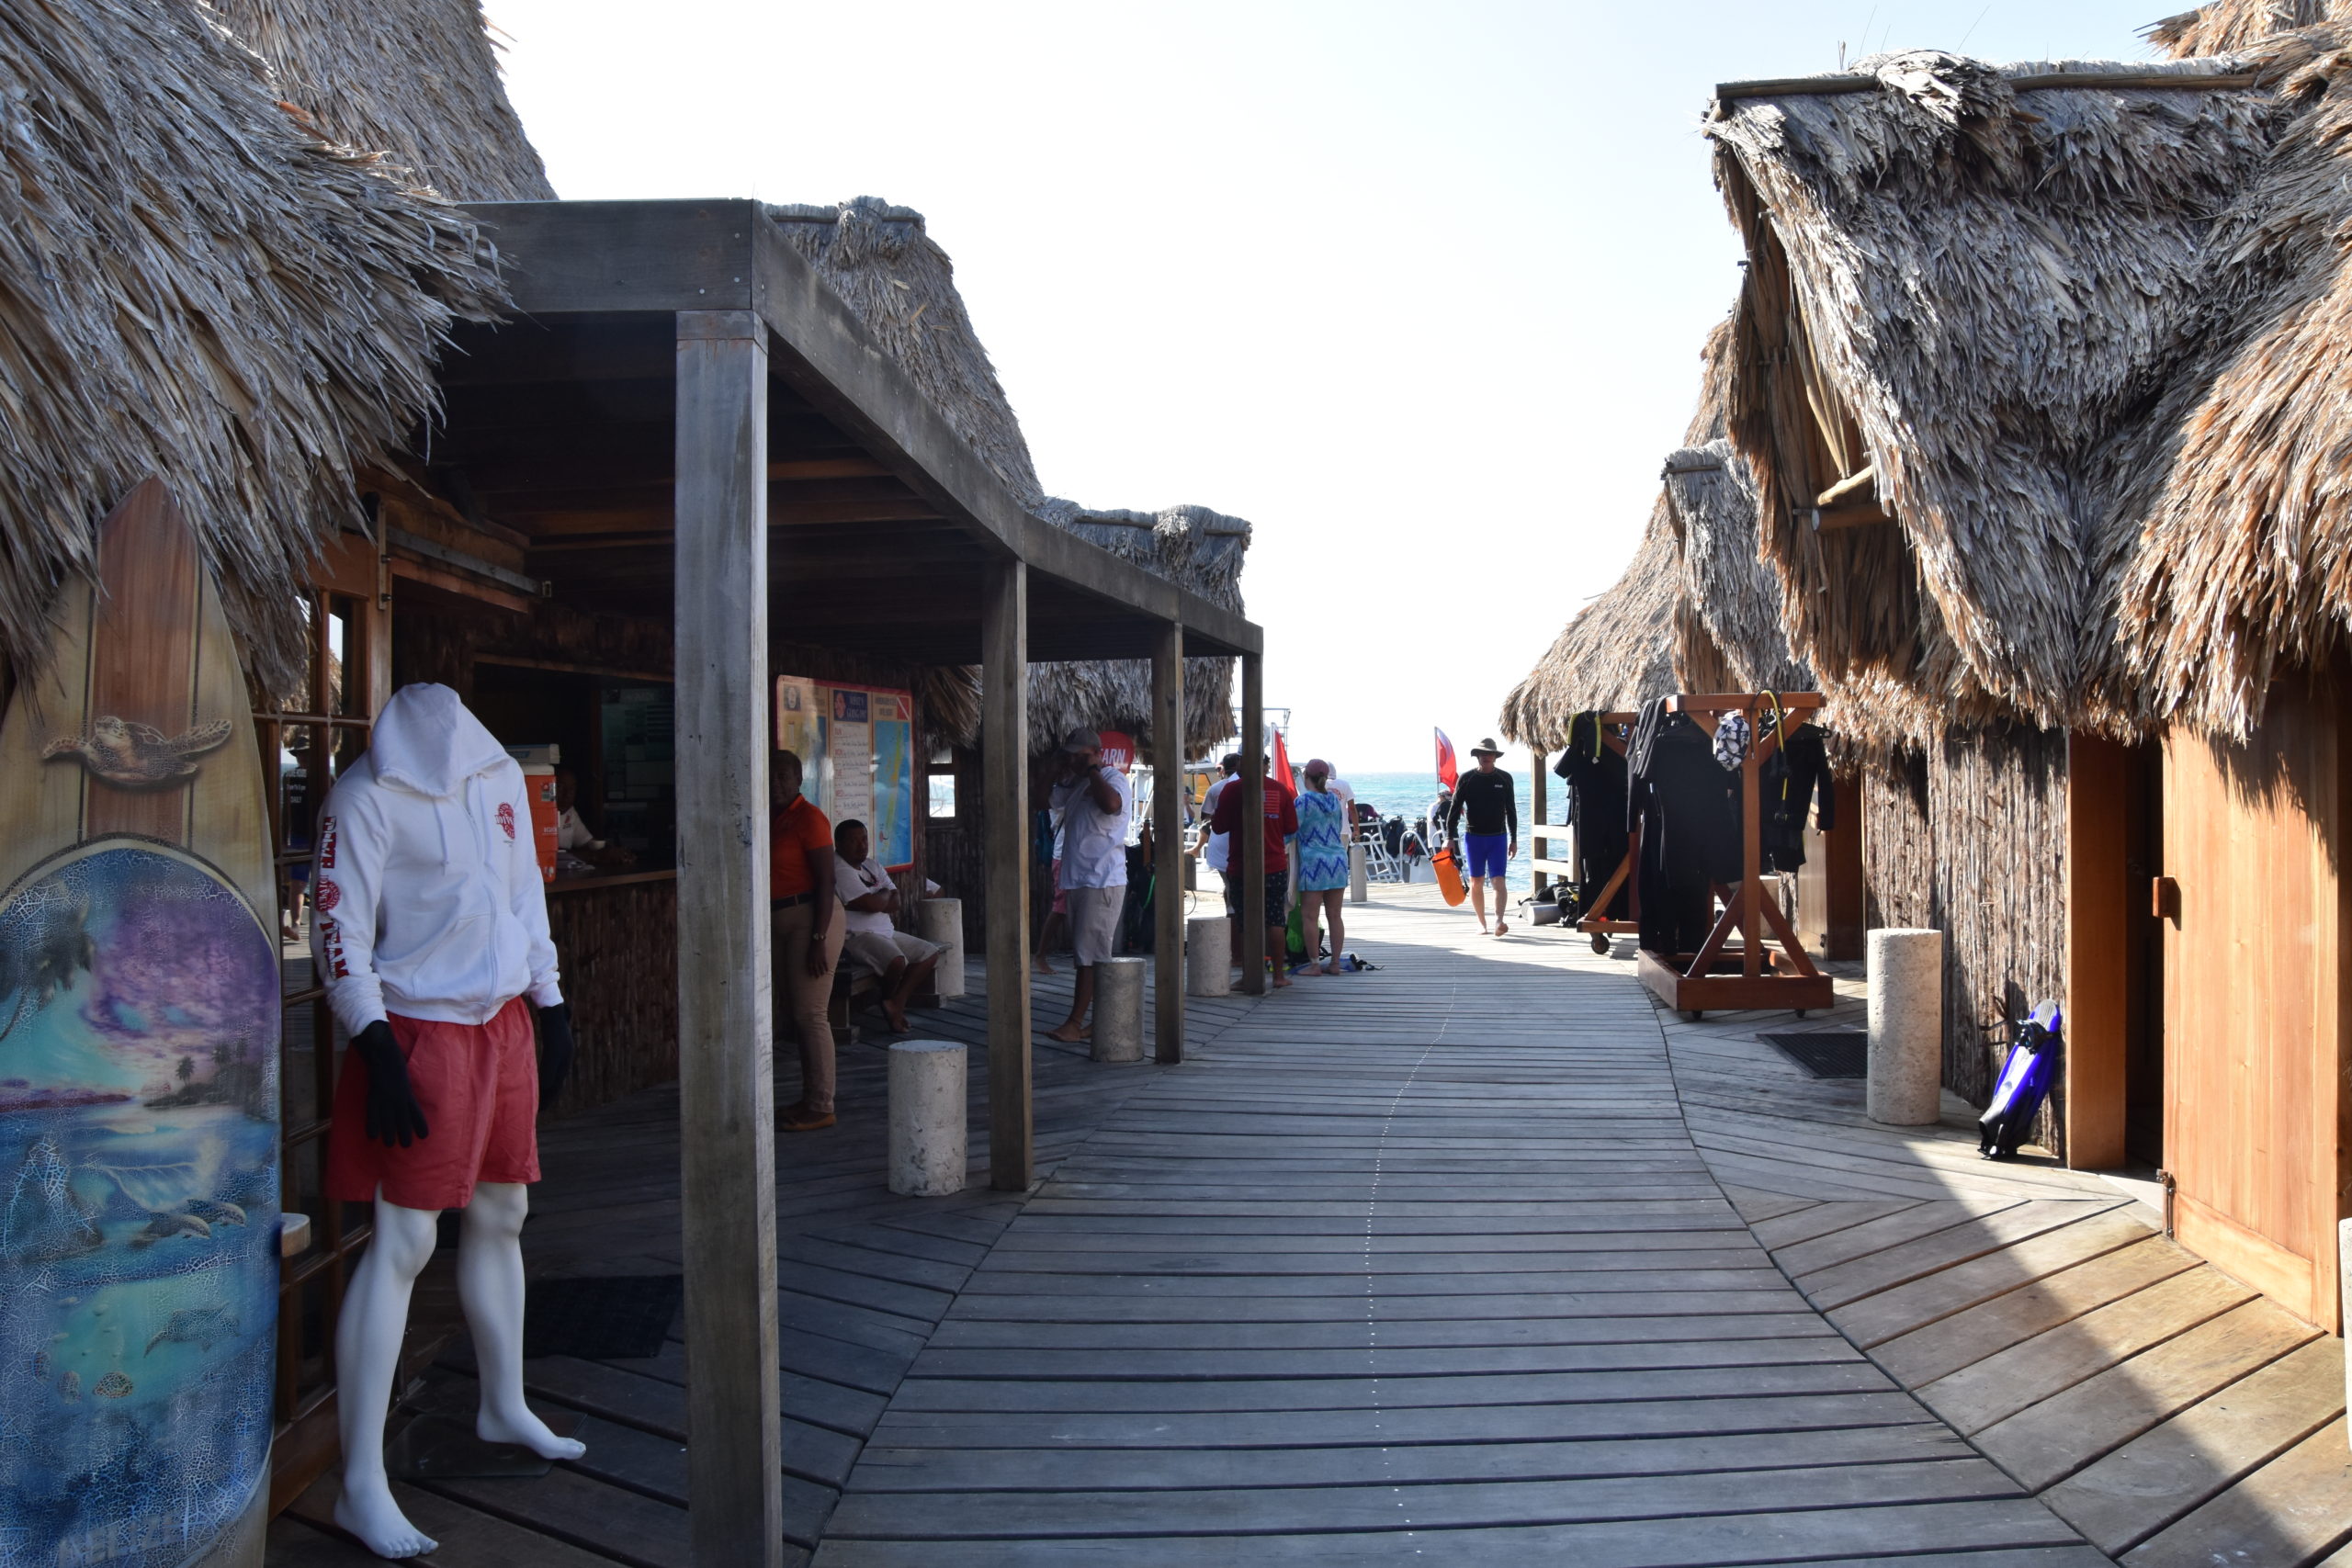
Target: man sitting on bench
[(870, 942)]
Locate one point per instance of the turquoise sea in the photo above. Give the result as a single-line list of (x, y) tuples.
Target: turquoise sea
[(1410, 795)]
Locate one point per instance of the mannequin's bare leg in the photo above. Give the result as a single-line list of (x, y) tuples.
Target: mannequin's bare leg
[(489, 1285), (366, 1354)]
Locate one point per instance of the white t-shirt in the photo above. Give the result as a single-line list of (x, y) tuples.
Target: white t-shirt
[(1094, 841), (570, 833), (855, 882), (1220, 844)]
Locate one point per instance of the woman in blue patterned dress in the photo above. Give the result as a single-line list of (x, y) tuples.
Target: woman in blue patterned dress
[(1324, 833)]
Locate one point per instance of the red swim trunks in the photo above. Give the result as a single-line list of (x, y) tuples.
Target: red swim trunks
[(479, 1087)]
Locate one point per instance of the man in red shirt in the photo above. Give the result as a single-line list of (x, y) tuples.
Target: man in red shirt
[(1282, 821), (807, 935)]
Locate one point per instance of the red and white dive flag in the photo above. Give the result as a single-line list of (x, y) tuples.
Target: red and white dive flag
[(1447, 772)]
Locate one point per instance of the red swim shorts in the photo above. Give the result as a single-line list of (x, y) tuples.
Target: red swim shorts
[(479, 1087)]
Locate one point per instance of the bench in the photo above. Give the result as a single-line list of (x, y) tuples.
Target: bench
[(851, 992)]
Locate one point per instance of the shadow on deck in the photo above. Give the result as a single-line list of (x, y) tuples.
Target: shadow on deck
[(865, 1279)]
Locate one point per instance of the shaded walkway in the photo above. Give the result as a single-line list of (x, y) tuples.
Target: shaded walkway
[(1415, 1265)]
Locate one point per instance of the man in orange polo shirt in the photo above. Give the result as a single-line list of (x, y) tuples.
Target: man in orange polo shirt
[(806, 933)]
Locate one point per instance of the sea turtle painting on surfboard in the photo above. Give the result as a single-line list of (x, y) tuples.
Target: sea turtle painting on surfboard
[(139, 1046)]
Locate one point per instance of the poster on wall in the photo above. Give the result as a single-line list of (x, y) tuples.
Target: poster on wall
[(139, 1053), (858, 747)]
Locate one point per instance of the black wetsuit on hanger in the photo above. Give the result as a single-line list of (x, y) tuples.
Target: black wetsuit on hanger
[(1687, 808), (1792, 775), (1595, 772)]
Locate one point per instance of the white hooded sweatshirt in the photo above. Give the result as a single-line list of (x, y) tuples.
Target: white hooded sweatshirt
[(429, 900)]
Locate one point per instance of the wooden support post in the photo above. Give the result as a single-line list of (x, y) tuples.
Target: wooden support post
[(1751, 860), (1167, 839), (1004, 774), (1250, 852), (725, 1065), (2105, 909), (1537, 802)]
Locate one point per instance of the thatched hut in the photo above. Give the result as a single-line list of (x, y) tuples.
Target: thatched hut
[(2040, 375), (882, 263), (196, 284)]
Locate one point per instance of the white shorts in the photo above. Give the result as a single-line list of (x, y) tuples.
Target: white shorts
[(1094, 922), (873, 953)]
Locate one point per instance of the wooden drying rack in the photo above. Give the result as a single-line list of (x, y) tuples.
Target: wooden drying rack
[(1696, 982)]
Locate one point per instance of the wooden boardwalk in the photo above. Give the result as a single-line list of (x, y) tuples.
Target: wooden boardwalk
[(1415, 1266), (1479, 1259)]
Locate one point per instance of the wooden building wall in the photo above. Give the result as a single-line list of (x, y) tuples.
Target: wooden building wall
[(2257, 1009), (619, 948)]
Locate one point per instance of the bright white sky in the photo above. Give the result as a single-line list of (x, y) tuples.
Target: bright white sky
[(1417, 289)]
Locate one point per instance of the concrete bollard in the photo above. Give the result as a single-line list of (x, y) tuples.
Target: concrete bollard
[(1907, 1027), (1118, 1010), (1208, 956), (942, 920), (1359, 876), (926, 1118)]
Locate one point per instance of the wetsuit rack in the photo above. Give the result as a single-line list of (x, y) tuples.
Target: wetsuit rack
[(1719, 974)]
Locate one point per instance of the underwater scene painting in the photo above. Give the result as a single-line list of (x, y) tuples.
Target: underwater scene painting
[(138, 1207)]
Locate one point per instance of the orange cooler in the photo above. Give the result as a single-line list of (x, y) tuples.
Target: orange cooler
[(538, 784)]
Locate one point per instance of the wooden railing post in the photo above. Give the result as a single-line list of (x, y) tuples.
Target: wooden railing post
[(1538, 800), (1004, 784), (1249, 852), (1167, 840), (726, 1082)]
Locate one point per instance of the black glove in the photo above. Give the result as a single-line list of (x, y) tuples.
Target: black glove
[(555, 1051), (394, 1115)]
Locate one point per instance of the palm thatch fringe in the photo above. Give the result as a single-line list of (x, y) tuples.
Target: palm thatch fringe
[(417, 80), (2232, 540), (1616, 653), (1968, 301), (2229, 25), (195, 288), (1726, 587), (883, 264)]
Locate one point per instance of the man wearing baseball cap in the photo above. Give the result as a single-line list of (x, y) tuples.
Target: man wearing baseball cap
[(1488, 798), (1094, 800)]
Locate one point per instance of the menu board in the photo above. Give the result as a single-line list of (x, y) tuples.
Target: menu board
[(856, 744)]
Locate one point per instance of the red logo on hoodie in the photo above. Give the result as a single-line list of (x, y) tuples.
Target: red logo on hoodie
[(328, 896), (506, 817)]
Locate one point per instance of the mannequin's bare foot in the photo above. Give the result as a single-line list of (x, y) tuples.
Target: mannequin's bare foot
[(371, 1517), (525, 1430)]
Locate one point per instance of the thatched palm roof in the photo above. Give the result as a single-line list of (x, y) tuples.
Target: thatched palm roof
[(2229, 25), (1616, 653), (884, 265), (1967, 297), (2232, 535), (1728, 591), (192, 286), (417, 80)]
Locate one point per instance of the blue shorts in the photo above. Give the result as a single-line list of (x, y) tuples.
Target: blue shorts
[(1486, 852)]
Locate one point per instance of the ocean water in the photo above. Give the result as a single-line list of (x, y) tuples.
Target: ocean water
[(1410, 796)]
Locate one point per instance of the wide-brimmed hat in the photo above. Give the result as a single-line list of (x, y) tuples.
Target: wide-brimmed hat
[(1082, 740), (1486, 747)]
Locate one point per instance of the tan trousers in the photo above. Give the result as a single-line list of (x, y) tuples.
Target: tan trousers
[(805, 997)]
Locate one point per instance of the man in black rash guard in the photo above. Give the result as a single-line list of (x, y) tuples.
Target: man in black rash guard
[(1486, 797)]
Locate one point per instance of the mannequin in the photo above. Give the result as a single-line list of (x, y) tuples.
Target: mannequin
[(432, 931)]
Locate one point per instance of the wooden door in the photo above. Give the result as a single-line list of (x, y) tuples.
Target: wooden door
[(2254, 968), (306, 742)]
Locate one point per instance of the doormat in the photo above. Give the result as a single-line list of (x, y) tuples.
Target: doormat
[(1825, 1053), (621, 1317)]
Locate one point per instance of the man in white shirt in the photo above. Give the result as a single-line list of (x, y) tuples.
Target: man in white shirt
[(870, 940), (1095, 800), (1220, 845)]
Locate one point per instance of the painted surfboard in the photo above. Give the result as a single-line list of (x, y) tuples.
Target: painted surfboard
[(139, 1049)]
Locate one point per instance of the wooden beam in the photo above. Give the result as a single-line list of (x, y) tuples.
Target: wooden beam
[(1004, 788), (1538, 787), (569, 257), (2038, 82), (1251, 850), (1168, 839), (463, 584), (726, 1087)]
